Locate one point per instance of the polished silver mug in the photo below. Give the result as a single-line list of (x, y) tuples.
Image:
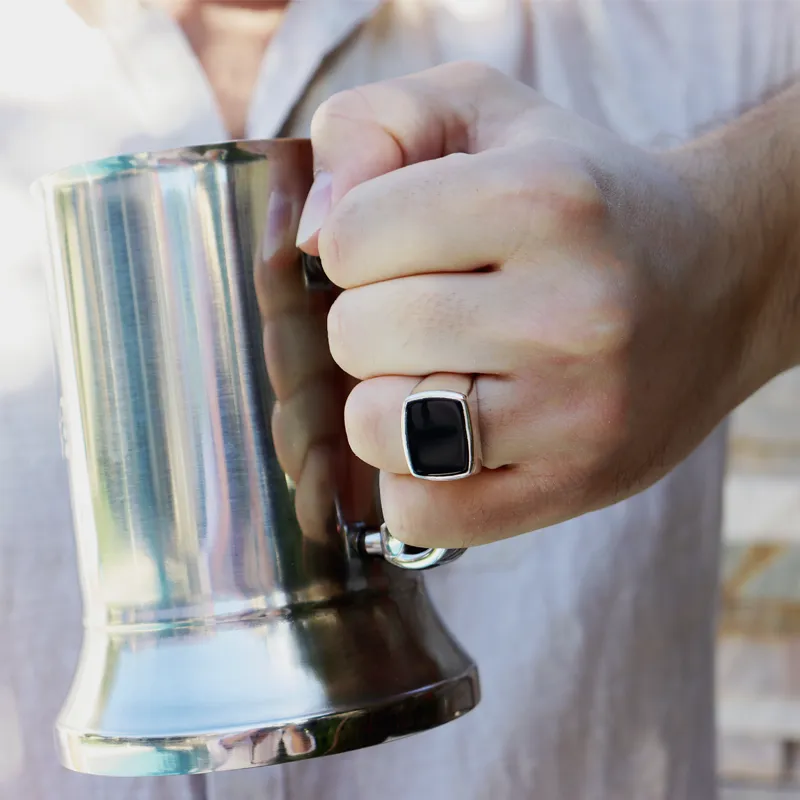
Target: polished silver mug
[(243, 604)]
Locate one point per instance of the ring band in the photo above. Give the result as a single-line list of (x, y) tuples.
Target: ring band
[(440, 428)]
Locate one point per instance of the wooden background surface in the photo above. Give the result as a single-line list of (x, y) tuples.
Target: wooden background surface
[(759, 638)]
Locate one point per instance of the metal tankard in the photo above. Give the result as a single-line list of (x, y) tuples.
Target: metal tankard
[(243, 604)]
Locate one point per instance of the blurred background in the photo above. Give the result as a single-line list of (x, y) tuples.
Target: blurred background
[(758, 663)]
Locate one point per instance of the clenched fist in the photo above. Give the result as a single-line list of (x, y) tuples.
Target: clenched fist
[(589, 286)]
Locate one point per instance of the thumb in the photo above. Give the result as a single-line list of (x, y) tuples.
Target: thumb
[(362, 133)]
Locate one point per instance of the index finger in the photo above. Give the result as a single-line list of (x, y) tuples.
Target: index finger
[(366, 132)]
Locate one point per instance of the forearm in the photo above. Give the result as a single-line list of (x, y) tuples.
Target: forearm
[(747, 176)]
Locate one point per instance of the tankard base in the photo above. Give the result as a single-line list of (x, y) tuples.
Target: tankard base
[(212, 697)]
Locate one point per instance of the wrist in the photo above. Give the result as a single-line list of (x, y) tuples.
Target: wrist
[(746, 178)]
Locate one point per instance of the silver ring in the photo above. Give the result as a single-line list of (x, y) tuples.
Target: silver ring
[(440, 432)]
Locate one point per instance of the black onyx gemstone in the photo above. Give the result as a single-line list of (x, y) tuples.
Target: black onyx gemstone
[(436, 437)]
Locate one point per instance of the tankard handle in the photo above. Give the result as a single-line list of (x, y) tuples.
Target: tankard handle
[(369, 541), (380, 542)]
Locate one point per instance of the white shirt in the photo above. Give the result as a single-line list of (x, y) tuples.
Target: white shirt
[(594, 638)]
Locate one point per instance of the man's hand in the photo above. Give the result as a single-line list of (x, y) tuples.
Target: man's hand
[(478, 229)]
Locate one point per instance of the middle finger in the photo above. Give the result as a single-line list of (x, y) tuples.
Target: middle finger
[(424, 324)]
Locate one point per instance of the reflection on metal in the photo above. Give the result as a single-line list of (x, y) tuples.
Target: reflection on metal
[(230, 622)]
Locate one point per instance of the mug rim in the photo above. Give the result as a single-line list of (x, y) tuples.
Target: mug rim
[(116, 166)]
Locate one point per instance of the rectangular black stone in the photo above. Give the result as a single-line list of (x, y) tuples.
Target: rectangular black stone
[(436, 437)]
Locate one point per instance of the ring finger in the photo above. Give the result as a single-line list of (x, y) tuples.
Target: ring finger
[(373, 416)]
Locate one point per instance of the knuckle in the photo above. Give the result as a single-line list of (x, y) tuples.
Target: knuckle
[(349, 105), (572, 327), (341, 240), (605, 328), (333, 242), (591, 318), (413, 513), (363, 424), (340, 335), (402, 518), (578, 200), (443, 516), (565, 195), (474, 72)]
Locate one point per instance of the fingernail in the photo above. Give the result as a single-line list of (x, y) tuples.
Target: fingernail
[(316, 209), (279, 220)]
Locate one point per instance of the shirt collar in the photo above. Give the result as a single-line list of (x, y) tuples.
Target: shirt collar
[(169, 90), (309, 32), (168, 83)]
